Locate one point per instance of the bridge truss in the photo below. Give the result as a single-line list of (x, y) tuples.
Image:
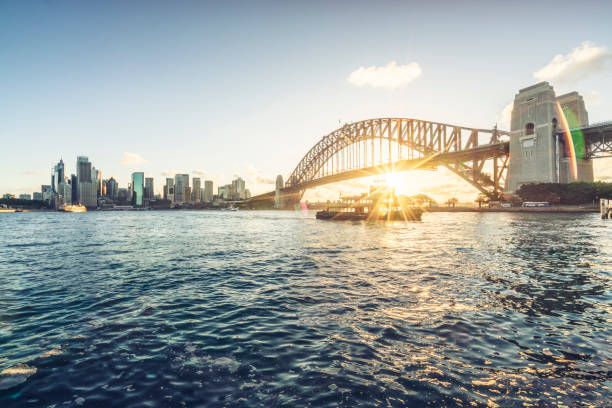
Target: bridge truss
[(383, 145)]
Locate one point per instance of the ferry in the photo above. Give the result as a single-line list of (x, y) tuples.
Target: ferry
[(73, 208), (379, 205)]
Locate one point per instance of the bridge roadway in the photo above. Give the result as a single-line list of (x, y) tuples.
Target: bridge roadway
[(597, 139), (481, 152)]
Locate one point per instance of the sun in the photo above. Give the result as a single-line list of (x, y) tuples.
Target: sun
[(401, 182)]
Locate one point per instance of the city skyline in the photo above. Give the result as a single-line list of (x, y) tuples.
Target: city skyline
[(162, 91)]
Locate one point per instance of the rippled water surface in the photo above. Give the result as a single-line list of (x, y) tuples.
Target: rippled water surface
[(278, 309)]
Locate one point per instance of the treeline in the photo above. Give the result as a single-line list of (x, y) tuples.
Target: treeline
[(18, 203), (571, 193)]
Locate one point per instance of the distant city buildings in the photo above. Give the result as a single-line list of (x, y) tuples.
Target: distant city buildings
[(88, 188)]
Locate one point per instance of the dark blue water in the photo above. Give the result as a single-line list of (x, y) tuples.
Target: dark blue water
[(278, 309)]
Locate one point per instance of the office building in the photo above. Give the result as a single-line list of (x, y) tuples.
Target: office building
[(96, 178), (149, 191), (64, 193), (25, 197), (137, 189), (37, 196), (208, 191), (87, 195), (123, 194), (180, 182), (74, 184), (187, 194), (58, 175), (197, 190), (238, 188), (169, 189), (112, 188)]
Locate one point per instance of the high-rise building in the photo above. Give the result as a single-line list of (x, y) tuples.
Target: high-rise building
[(96, 178), (169, 189), (137, 188), (208, 191), (180, 182), (149, 192), (87, 194), (238, 187), (58, 175), (37, 196), (25, 197), (64, 193), (112, 188), (225, 192), (123, 194), (83, 169), (74, 184), (47, 192), (197, 190), (187, 194)]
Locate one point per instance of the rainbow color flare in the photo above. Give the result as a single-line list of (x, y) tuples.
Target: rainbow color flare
[(569, 142)]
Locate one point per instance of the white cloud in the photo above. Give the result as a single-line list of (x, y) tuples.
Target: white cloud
[(390, 76), (200, 172), (581, 62), (132, 159), (168, 173), (33, 173)]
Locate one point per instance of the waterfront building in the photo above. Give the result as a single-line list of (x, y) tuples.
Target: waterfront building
[(83, 166), (122, 194), (112, 188), (87, 195), (137, 189), (74, 184), (149, 192), (169, 189), (225, 192), (47, 192), (64, 193), (25, 197), (58, 175), (197, 190), (208, 191), (238, 188), (180, 182), (8, 196), (96, 178), (187, 194), (37, 196)]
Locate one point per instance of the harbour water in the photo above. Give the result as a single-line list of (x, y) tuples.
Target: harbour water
[(196, 308)]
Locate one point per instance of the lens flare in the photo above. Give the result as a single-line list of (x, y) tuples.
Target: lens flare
[(569, 142)]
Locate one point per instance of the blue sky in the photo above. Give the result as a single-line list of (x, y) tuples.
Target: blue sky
[(225, 88)]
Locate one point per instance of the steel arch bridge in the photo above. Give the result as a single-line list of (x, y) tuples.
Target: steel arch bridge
[(382, 145)]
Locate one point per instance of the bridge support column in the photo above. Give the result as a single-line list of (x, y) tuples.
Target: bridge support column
[(535, 154)]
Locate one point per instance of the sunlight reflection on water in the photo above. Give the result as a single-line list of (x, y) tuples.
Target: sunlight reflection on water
[(249, 308)]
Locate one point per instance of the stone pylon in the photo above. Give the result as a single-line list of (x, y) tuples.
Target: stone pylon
[(537, 155)]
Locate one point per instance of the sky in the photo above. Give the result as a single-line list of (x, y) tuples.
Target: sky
[(220, 89)]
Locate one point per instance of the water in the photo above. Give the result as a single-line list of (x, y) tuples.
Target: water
[(278, 309)]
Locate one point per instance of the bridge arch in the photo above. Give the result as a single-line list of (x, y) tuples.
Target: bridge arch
[(374, 146)]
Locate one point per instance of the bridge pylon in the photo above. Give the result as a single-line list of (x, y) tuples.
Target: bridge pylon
[(538, 153)]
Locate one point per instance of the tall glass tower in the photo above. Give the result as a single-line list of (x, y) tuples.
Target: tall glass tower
[(137, 188)]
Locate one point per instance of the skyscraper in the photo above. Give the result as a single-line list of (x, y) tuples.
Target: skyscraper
[(83, 169), (180, 182), (112, 188), (58, 175), (150, 193), (169, 189), (197, 190), (208, 191), (238, 187), (74, 185), (96, 178), (137, 188)]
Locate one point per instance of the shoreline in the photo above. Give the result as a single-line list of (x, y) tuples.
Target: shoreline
[(556, 209)]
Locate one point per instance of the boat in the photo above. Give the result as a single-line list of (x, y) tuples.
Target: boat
[(380, 205), (73, 208)]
